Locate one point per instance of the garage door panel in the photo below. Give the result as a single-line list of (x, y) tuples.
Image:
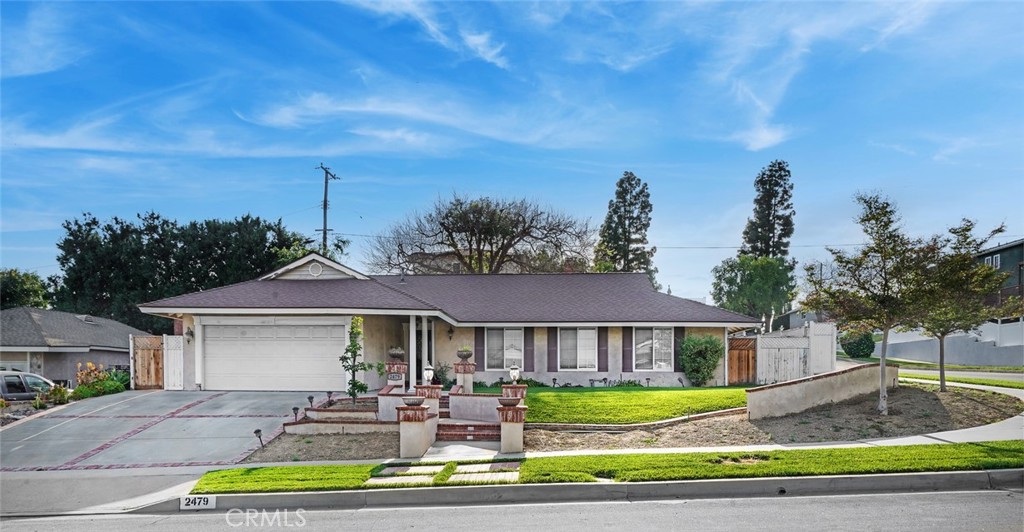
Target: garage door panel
[(274, 357)]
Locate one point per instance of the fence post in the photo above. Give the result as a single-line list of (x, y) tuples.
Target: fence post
[(131, 362)]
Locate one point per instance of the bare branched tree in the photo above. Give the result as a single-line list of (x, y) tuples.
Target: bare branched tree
[(483, 235)]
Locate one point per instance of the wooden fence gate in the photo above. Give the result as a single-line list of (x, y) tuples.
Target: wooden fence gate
[(742, 360), (147, 362)]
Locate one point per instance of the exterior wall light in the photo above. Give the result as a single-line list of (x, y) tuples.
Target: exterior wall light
[(428, 374)]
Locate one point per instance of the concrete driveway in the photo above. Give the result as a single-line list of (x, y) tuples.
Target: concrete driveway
[(147, 429)]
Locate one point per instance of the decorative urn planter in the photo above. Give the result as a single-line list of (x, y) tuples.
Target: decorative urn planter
[(413, 400), (508, 401), (396, 353), (464, 354)]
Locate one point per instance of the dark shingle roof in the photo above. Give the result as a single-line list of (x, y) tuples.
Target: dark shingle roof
[(587, 297), (33, 327), (538, 298), (292, 293)]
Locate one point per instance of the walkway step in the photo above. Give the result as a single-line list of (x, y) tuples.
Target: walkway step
[(444, 413)]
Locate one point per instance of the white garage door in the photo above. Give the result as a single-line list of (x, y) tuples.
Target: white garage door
[(274, 357)]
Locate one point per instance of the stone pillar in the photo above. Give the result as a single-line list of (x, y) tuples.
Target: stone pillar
[(417, 430), (513, 390), (512, 420), (464, 372), (433, 397), (396, 373), (412, 353)]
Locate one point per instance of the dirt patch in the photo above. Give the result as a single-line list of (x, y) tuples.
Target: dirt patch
[(913, 409), (298, 448)]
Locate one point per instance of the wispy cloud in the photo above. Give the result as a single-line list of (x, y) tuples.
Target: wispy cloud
[(42, 44), (892, 146), (480, 44), (476, 43), (951, 147)]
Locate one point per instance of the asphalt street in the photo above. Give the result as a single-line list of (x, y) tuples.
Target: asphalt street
[(953, 511)]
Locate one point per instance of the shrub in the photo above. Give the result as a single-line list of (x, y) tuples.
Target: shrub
[(58, 395), (532, 383), (441, 375), (83, 392), (628, 384), (39, 403), (90, 374), (858, 344), (3, 406), (699, 356), (122, 377)]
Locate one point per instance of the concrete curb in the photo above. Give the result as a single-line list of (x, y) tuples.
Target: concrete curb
[(617, 491)]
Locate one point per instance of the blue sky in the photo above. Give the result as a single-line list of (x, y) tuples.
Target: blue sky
[(213, 110)]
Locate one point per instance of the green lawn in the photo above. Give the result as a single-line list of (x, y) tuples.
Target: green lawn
[(929, 365), (298, 478), (965, 380), (652, 467), (626, 405)]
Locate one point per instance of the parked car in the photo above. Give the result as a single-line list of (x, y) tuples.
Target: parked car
[(20, 386)]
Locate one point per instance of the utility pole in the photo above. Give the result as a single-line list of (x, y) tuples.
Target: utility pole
[(327, 177)]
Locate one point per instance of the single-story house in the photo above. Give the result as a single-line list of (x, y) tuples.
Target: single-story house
[(52, 343), (286, 330)]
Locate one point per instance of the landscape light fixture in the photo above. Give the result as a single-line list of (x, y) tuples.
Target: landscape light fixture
[(295, 411), (428, 374), (513, 372), (259, 435), (310, 399), (329, 400)]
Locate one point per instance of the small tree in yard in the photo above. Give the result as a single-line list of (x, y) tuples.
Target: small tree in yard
[(878, 286), (957, 284), (350, 360), (699, 356), (858, 344)]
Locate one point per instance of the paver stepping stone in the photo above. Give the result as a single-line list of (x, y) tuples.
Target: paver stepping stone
[(507, 476), (414, 470), (487, 468), (398, 481)]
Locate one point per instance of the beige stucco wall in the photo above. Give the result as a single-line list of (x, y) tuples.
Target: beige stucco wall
[(379, 334), (445, 348), (791, 397), (722, 334)]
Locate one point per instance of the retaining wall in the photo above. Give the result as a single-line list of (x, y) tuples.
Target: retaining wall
[(775, 400)]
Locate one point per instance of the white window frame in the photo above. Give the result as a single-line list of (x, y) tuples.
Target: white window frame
[(995, 261), (988, 261), (577, 329), (654, 350), (504, 351)]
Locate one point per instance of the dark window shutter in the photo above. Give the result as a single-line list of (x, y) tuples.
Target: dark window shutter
[(678, 334), (627, 349), (528, 349), (602, 349), (478, 348), (552, 349)]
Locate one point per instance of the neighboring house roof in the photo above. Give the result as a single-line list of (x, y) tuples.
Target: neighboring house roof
[(34, 327), (467, 299), (1001, 247)]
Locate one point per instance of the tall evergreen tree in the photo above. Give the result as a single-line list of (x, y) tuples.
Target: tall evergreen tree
[(622, 244), (768, 231)]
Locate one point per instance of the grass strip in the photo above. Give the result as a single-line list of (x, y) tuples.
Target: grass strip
[(442, 477), (929, 365), (654, 467), (295, 478), (965, 380), (804, 462)]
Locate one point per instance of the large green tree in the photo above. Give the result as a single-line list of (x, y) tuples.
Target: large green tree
[(755, 286), (956, 287), (768, 232), (482, 235), (878, 286), (108, 268), (22, 289), (760, 279), (622, 239)]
